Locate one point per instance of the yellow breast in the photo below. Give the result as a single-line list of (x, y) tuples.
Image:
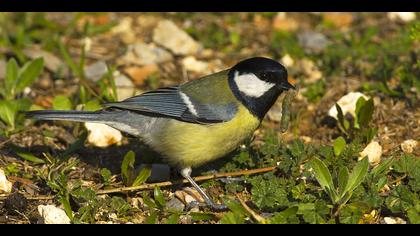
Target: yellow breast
[(191, 145)]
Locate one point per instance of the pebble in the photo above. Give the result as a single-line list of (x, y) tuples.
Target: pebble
[(140, 74), (175, 39), (51, 214), (338, 19), (394, 220), (408, 146), (51, 62), (402, 16), (282, 22), (287, 60), (5, 185), (373, 151), (101, 135), (142, 54), (190, 63), (312, 41), (125, 87), (175, 204), (96, 71)]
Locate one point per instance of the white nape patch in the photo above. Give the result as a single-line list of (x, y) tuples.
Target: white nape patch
[(188, 102), (251, 85)]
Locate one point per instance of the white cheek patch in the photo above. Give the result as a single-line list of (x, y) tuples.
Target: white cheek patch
[(251, 85), (189, 104)]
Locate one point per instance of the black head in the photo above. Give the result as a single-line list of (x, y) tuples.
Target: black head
[(257, 82)]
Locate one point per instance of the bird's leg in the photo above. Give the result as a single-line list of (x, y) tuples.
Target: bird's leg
[(186, 173)]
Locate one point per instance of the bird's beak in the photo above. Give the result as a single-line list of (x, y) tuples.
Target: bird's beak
[(286, 86)]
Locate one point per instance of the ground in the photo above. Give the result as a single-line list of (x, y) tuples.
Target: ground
[(317, 175)]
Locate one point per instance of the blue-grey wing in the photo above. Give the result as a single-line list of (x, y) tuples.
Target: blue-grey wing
[(173, 103)]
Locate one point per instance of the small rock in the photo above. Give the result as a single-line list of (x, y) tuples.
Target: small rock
[(402, 16), (190, 63), (312, 41), (45, 82), (15, 203), (125, 88), (282, 22), (394, 220), (51, 62), (178, 41), (347, 104), (125, 30), (188, 195), (3, 66), (339, 19), (373, 151), (287, 60), (311, 71), (140, 74), (408, 146), (175, 204), (95, 71), (101, 135), (53, 215), (5, 185), (144, 54)]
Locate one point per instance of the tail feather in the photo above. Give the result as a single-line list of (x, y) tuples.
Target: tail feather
[(80, 116)]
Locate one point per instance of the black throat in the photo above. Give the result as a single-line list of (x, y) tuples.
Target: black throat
[(258, 106)]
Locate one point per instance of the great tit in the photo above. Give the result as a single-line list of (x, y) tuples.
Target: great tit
[(196, 122)]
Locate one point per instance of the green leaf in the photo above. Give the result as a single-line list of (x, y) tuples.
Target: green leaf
[(92, 105), (358, 175), (339, 145), (324, 178), (67, 207), (152, 218), (148, 201), (8, 112), (106, 176), (29, 157), (343, 176), (173, 219), (29, 73), (383, 167), (232, 218), (201, 216), (158, 195), (286, 216), (11, 78), (62, 102), (364, 116), (143, 175), (127, 167)]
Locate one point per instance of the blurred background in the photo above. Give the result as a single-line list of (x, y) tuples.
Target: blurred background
[(80, 60)]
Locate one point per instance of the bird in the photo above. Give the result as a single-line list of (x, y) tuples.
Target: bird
[(196, 122)]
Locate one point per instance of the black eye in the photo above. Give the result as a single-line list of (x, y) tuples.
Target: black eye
[(264, 76)]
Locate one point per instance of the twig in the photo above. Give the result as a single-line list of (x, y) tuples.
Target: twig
[(254, 215), (197, 179), (161, 184)]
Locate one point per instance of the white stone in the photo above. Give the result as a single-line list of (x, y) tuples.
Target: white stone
[(125, 87), (287, 60), (409, 145), (373, 151), (96, 70), (150, 54), (190, 63), (347, 104), (172, 37), (394, 220), (402, 16), (5, 185), (53, 215), (101, 135)]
